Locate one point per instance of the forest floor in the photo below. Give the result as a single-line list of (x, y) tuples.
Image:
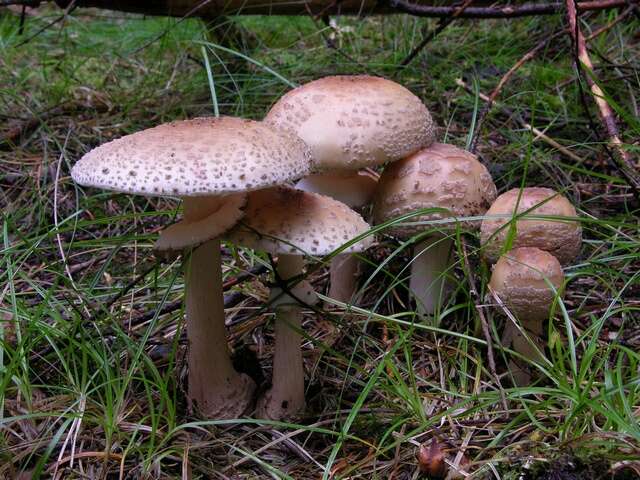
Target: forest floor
[(92, 355)]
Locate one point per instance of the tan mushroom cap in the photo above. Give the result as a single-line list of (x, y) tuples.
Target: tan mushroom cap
[(520, 279), (562, 238), (284, 220), (439, 176), (202, 156), (352, 122)]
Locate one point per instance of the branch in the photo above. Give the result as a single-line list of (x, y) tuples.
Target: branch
[(507, 11), (615, 150)]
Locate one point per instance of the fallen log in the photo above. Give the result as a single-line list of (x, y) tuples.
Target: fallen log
[(423, 8)]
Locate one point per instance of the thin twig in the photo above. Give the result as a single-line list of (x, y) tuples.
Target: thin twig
[(505, 78), (538, 133), (444, 23), (505, 11), (616, 152), (70, 8), (475, 295)]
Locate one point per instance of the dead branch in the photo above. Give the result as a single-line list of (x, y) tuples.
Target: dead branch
[(620, 157), (422, 8), (506, 11)]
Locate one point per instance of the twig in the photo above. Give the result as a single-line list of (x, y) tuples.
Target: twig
[(616, 152), (70, 8), (538, 133), (24, 3), (506, 11), (483, 322), (505, 78), (444, 23)]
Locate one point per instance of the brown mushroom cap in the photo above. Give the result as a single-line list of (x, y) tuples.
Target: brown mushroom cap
[(202, 156), (520, 278), (562, 238), (440, 176), (283, 220), (352, 122)]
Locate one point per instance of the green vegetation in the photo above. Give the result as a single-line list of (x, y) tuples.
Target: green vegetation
[(92, 354)]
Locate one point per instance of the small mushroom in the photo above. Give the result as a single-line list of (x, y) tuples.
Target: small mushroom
[(352, 122), (444, 178), (528, 281), (210, 163), (559, 234), (291, 223)]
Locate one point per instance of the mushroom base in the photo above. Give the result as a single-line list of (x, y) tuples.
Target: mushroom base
[(216, 389), (429, 271)]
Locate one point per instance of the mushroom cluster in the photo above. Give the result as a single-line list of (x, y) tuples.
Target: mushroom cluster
[(331, 136), (541, 228)]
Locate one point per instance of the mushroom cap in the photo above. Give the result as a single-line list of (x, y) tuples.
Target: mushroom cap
[(520, 278), (440, 176), (352, 122), (202, 156), (353, 188), (283, 220), (562, 238)]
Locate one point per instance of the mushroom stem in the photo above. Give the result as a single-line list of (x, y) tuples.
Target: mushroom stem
[(524, 345), (286, 396), (343, 274), (216, 389), (431, 259)]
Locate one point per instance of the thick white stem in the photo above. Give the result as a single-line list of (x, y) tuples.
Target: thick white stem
[(216, 389), (343, 275), (429, 269), (286, 396)]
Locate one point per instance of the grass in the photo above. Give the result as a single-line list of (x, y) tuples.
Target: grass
[(92, 352)]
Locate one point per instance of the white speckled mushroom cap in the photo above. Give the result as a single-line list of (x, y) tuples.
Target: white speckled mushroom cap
[(202, 156), (283, 220), (352, 122), (562, 238), (520, 278), (439, 176)]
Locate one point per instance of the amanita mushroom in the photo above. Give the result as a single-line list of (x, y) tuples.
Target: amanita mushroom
[(291, 223), (350, 123), (560, 236), (442, 177), (528, 281), (209, 163)]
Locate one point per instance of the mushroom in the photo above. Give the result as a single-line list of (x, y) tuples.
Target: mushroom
[(527, 281), (350, 123), (291, 223), (210, 163), (441, 177), (559, 236)]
